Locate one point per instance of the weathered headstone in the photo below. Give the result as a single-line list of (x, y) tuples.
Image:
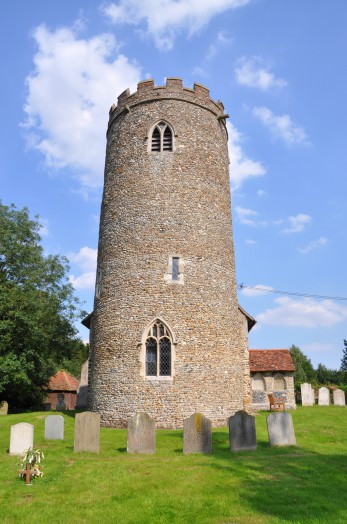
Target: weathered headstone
[(339, 397), (82, 391), (307, 394), (323, 397), (197, 434), (87, 432), (141, 434), (21, 438), (3, 407), (280, 429), (54, 427), (242, 432)]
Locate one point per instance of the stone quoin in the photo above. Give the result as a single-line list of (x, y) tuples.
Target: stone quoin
[(167, 336)]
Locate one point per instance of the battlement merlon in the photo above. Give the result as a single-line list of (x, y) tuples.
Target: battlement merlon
[(147, 91)]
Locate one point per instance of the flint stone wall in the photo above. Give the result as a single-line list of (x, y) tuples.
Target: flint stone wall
[(157, 205)]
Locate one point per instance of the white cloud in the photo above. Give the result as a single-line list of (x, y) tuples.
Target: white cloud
[(84, 281), (85, 260), (305, 312), (221, 40), (314, 244), (43, 231), (248, 217), (252, 72), (281, 126), (250, 242), (297, 223), (241, 167), (261, 193), (165, 19), (69, 93), (256, 291)]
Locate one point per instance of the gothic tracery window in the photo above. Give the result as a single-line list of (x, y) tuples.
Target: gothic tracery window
[(162, 139), (158, 351)]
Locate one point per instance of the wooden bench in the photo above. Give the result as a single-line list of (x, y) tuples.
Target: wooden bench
[(277, 403)]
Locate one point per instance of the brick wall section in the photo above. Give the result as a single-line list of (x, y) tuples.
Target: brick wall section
[(156, 205)]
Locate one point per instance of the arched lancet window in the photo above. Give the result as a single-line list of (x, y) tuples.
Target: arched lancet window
[(158, 351), (258, 383), (279, 382), (162, 137)]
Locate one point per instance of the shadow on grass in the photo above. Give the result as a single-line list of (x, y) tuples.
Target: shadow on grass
[(291, 483)]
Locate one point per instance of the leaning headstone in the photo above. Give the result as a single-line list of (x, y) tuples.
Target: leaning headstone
[(54, 427), (197, 434), (339, 397), (3, 408), (307, 394), (242, 432), (22, 438), (323, 397), (87, 432), (280, 429), (141, 434)]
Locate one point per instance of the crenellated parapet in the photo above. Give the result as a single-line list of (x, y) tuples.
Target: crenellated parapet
[(172, 90)]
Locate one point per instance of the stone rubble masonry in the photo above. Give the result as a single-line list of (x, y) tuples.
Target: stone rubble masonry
[(155, 206)]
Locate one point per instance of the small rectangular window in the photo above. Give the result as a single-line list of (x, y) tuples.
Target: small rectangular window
[(175, 271)]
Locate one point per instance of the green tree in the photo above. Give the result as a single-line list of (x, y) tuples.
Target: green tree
[(304, 371), (37, 311), (343, 367)]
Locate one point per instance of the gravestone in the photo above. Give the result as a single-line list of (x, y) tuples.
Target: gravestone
[(82, 390), (22, 438), (141, 434), (197, 434), (54, 427), (87, 432), (339, 397), (307, 394), (3, 408), (323, 397), (280, 429), (242, 432)]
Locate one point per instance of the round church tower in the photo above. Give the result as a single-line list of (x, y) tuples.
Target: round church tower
[(167, 335)]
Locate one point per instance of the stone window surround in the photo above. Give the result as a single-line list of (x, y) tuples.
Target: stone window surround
[(168, 275), (149, 137), (142, 345)]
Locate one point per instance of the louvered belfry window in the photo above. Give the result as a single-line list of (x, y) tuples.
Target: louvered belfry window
[(162, 138), (158, 351)]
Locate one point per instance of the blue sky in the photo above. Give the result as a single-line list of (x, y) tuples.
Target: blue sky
[(280, 69)]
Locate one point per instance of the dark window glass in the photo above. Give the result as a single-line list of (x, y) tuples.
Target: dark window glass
[(165, 357), (151, 357), (175, 268)]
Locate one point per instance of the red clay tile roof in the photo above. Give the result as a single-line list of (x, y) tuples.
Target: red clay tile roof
[(270, 360), (62, 381)]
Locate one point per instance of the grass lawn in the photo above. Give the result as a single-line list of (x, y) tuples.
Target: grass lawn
[(304, 484)]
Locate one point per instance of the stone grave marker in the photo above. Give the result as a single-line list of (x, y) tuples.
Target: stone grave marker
[(54, 427), (307, 394), (141, 434), (87, 432), (3, 407), (280, 429), (197, 434), (21, 438), (323, 397), (339, 397), (242, 432)]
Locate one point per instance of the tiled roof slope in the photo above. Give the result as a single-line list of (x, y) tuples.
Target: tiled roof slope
[(270, 360), (62, 381)]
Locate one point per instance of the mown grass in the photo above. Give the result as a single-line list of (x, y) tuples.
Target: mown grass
[(303, 484)]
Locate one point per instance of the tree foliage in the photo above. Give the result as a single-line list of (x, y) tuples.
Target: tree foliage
[(343, 367), (37, 311), (304, 371)]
